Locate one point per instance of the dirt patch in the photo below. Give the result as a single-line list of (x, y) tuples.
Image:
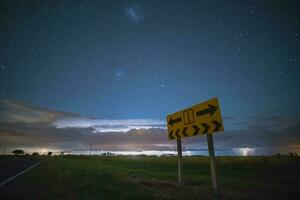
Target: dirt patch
[(168, 190)]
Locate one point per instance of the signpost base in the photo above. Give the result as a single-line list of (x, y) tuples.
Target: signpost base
[(212, 163), (179, 155)]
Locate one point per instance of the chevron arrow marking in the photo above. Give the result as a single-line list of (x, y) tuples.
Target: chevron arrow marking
[(184, 131), (171, 135), (196, 129), (217, 125), (206, 127), (177, 133)]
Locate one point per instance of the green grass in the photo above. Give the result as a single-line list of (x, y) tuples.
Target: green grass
[(142, 177)]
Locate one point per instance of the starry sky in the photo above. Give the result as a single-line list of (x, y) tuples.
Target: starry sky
[(72, 72)]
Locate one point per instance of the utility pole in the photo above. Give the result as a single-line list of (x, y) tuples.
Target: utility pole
[(91, 149)]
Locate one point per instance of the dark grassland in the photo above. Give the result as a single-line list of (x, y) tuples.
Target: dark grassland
[(147, 177)]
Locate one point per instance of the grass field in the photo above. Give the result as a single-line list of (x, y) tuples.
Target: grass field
[(147, 177)]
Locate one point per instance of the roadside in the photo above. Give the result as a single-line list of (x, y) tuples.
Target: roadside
[(10, 166)]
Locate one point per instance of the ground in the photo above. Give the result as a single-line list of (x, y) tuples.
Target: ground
[(150, 177), (11, 165)]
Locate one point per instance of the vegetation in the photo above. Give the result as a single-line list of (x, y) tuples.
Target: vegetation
[(49, 153), (150, 177), (18, 152), (35, 154)]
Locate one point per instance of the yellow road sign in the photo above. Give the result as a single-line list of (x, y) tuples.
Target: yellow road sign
[(199, 119)]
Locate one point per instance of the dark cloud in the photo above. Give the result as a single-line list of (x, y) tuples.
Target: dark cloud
[(14, 111), (262, 133)]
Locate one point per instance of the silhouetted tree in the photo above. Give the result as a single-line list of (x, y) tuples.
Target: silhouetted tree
[(278, 155), (35, 154), (18, 152), (49, 153)]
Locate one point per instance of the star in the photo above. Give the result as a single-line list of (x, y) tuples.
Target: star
[(162, 85)]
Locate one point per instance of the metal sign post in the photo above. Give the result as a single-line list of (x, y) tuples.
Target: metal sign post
[(212, 163), (179, 155)]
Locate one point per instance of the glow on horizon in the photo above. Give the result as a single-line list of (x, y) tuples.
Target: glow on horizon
[(145, 152), (244, 151)]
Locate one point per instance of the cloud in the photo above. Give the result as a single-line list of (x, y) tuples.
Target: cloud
[(13, 111), (106, 125), (265, 134), (25, 126), (16, 112)]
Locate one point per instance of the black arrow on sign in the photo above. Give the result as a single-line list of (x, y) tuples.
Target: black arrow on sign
[(217, 124), (184, 131), (174, 121), (177, 133), (206, 127), (171, 135), (210, 110), (196, 129)]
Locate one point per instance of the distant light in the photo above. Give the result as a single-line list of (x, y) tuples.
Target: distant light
[(244, 151), (44, 151), (145, 152)]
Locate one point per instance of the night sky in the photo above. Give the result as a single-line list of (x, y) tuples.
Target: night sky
[(74, 73)]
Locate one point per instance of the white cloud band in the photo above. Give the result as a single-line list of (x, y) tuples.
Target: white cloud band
[(109, 125)]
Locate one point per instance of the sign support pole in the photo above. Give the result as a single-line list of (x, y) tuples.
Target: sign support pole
[(212, 163), (179, 155)]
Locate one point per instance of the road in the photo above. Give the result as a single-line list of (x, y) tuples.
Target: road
[(12, 165)]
